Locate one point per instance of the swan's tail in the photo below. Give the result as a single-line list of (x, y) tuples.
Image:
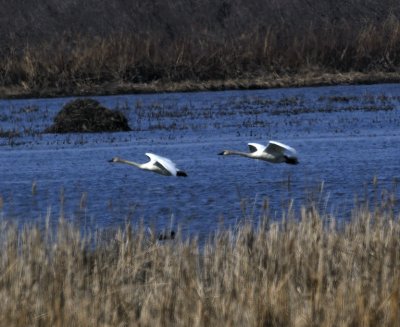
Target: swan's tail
[(181, 173), (291, 160)]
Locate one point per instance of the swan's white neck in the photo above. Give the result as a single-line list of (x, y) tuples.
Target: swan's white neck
[(238, 153), (132, 163)]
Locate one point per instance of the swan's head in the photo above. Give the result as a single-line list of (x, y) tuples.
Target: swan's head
[(223, 153), (115, 159)]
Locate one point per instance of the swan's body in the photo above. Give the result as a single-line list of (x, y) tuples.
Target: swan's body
[(274, 152), (157, 164)]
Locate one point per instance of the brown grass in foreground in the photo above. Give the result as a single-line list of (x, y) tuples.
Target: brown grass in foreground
[(295, 273)]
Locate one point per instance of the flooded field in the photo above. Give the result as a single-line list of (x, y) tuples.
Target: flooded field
[(347, 138)]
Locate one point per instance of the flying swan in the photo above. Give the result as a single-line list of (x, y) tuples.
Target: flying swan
[(157, 164), (274, 152)]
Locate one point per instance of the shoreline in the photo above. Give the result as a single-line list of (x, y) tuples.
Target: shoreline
[(269, 81), (272, 275)]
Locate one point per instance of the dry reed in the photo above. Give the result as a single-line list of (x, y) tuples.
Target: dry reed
[(300, 272), (55, 47)]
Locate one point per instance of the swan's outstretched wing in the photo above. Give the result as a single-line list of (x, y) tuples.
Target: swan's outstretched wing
[(254, 147), (163, 163), (274, 147)]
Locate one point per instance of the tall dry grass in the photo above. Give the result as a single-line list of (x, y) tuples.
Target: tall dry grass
[(310, 270), (68, 46)]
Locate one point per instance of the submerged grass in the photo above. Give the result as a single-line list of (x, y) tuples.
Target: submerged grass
[(307, 271)]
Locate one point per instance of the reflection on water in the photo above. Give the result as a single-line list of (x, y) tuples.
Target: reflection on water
[(345, 137)]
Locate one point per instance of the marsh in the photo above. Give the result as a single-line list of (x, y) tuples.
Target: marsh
[(347, 137)]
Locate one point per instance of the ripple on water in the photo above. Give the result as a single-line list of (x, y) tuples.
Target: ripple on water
[(345, 137)]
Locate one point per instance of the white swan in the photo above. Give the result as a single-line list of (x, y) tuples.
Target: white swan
[(157, 164), (274, 152)]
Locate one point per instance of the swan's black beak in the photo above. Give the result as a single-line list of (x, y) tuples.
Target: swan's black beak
[(221, 153), (111, 160)]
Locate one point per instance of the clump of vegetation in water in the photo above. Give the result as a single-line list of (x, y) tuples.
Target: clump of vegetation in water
[(306, 271), (87, 115)]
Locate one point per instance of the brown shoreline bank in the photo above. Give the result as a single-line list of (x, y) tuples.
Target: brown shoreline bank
[(248, 83), (307, 271)]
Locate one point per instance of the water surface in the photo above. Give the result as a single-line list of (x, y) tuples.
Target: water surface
[(345, 136)]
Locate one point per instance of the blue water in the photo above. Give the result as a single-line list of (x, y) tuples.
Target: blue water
[(345, 136)]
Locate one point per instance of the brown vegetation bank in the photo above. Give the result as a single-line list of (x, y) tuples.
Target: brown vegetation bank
[(67, 47), (307, 270)]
